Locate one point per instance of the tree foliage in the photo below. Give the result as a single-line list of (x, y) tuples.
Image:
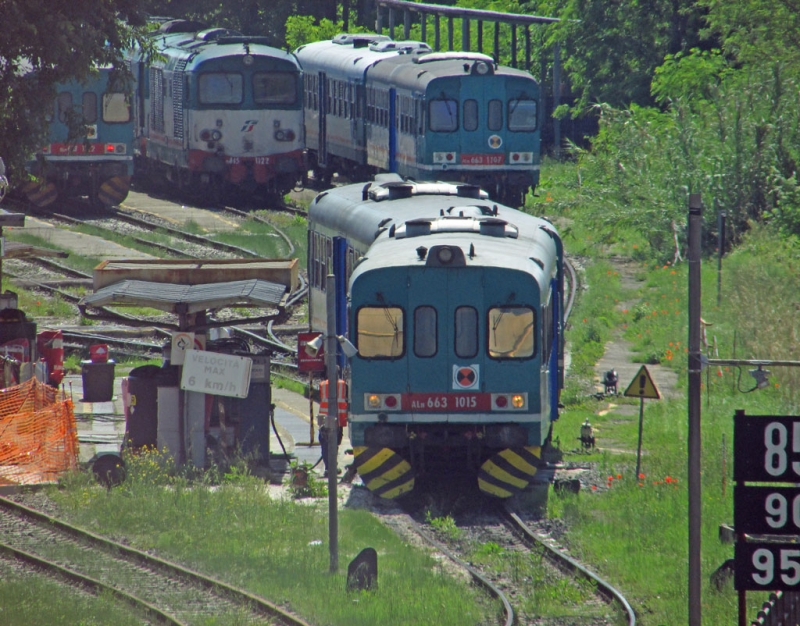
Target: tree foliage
[(45, 42)]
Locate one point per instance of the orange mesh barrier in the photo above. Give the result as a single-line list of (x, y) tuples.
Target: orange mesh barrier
[(38, 434)]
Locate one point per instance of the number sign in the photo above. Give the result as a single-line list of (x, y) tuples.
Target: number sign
[(766, 510), (766, 448), (767, 566)]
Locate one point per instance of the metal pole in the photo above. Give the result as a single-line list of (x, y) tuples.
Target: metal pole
[(639, 448), (695, 381), (720, 252), (332, 423)]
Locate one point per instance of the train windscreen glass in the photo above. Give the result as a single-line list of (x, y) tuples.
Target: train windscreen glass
[(221, 88), (511, 333), (380, 332), (522, 114), (443, 115), (274, 88), (116, 108)]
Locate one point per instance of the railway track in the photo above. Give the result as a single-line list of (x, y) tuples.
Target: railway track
[(159, 590)]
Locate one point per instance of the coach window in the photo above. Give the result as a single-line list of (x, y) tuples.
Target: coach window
[(63, 106), (379, 332), (425, 331), (470, 114), (220, 88), (116, 108), (89, 107), (466, 340), (443, 115), (522, 114), (495, 119), (511, 332), (274, 88)]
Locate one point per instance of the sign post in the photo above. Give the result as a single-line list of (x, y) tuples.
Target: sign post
[(311, 362), (642, 386)]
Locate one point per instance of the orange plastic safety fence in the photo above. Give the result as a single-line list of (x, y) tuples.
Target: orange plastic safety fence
[(38, 434)]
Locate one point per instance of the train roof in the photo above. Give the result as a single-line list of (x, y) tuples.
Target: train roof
[(393, 208), (421, 69), (212, 43), (352, 55)]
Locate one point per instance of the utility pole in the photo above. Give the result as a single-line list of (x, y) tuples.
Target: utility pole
[(695, 380), (332, 423)]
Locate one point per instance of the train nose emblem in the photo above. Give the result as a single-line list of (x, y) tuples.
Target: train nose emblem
[(466, 376), (495, 141)]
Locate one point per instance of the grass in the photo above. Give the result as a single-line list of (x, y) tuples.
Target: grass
[(234, 530)]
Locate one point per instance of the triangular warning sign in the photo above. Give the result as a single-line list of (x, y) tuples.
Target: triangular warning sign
[(642, 386)]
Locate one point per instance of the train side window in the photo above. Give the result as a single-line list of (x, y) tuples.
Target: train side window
[(379, 332), (495, 119), (63, 106), (470, 114), (522, 114), (425, 339), (466, 339), (116, 108), (274, 88), (511, 332), (221, 88), (443, 115), (89, 107)]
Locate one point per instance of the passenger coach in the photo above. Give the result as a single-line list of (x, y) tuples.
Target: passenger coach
[(455, 305)]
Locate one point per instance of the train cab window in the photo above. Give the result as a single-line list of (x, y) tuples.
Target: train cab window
[(511, 332), (425, 338), (470, 114), (466, 331), (522, 114), (221, 88), (89, 107), (379, 332), (274, 88), (116, 108), (443, 115), (495, 119), (63, 106)]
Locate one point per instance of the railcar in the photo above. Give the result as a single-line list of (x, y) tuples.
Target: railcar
[(382, 106), (455, 304), (218, 112), (89, 150)]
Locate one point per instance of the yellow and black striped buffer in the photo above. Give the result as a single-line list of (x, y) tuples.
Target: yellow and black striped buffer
[(384, 472), (114, 190), (41, 194), (509, 471)]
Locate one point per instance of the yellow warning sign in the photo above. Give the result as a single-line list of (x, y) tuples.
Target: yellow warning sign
[(642, 386)]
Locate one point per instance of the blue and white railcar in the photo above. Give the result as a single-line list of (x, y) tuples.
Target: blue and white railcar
[(219, 111), (334, 76), (89, 150), (455, 305)]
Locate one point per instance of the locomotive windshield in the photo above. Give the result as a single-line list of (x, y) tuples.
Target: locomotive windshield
[(380, 332), (511, 333), (116, 108), (443, 115), (522, 114), (221, 88), (274, 88)]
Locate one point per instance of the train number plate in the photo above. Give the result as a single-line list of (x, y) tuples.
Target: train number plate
[(483, 159), (446, 402)]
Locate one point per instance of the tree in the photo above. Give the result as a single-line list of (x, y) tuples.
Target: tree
[(45, 42)]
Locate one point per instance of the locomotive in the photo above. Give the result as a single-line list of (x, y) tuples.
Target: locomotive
[(90, 143), (455, 305), (373, 105), (218, 112)]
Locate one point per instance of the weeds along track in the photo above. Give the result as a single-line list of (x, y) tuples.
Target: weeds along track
[(518, 562), (159, 590)]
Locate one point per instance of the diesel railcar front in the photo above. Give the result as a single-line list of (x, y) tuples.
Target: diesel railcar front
[(455, 305), (219, 112), (89, 143)]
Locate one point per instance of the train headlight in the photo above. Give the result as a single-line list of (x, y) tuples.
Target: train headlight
[(509, 401), (205, 135), (284, 135), (216, 135), (517, 401), (445, 255), (382, 401), (481, 68), (374, 401), (248, 59)]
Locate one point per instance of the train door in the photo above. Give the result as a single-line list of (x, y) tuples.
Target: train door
[(445, 352), (322, 151)]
